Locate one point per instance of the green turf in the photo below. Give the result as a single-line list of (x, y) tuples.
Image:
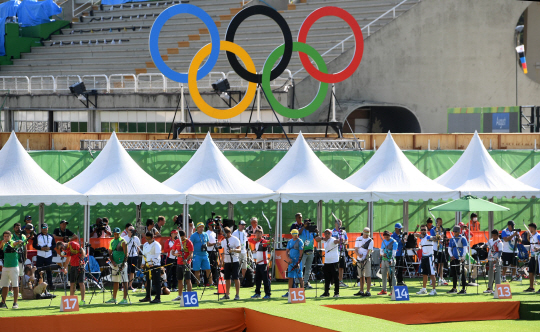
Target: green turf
[(312, 312)]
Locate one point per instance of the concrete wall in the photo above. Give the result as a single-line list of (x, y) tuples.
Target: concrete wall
[(439, 54), (532, 41)]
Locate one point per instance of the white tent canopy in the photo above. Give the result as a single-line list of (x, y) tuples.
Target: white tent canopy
[(209, 177), (22, 181), (476, 173), (532, 177), (301, 176), (114, 177), (389, 175)]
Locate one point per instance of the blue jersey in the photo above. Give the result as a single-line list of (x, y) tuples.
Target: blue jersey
[(295, 226), (432, 231), (397, 238), (457, 245), (307, 238), (294, 247), (387, 247), (340, 234), (198, 240)]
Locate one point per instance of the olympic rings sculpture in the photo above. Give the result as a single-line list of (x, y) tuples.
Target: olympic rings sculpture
[(282, 53)]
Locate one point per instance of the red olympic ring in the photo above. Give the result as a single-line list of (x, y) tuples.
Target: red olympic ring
[(358, 52)]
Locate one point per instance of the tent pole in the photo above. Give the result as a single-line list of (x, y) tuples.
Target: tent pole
[(491, 219), (406, 215), (278, 225), (370, 217), (230, 211), (41, 215), (87, 230), (84, 223), (138, 214), (319, 218), (186, 219)]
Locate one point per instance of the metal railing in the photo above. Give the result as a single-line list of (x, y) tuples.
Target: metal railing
[(367, 27), (76, 11), (248, 144), (118, 83)]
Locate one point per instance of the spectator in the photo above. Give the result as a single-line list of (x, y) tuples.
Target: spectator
[(150, 228), (28, 220), (44, 243), (107, 226), (38, 288), (63, 234), (474, 224), (160, 224), (29, 232), (100, 229), (298, 224), (250, 230), (126, 230)]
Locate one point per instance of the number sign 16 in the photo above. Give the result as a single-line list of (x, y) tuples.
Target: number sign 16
[(189, 300)]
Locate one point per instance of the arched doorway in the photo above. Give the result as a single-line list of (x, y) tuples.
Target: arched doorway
[(381, 119)]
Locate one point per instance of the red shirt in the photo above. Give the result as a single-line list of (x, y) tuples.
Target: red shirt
[(185, 248), (74, 253)]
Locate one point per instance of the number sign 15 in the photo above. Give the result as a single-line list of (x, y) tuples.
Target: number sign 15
[(297, 295)]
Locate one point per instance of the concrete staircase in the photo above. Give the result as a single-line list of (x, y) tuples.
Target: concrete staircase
[(115, 39)]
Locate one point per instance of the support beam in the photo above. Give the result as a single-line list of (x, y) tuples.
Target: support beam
[(370, 217), (41, 216), (491, 221), (406, 216), (319, 219), (230, 211)]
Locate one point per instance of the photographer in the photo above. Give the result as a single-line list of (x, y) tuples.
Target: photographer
[(212, 248), (510, 237), (100, 229), (75, 259), (31, 288), (64, 234), (241, 235), (171, 260), (19, 236), (118, 254), (125, 232), (133, 245), (10, 269), (200, 259), (29, 232), (44, 243), (231, 249), (339, 233), (308, 233)]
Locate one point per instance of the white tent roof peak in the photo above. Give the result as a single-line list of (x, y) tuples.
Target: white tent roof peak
[(478, 174), (114, 177), (532, 177), (210, 177), (23, 181), (301, 176), (389, 175)]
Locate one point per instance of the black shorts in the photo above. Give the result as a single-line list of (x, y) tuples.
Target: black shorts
[(533, 265), (182, 272), (76, 275), (132, 261), (342, 263), (427, 266), (231, 271), (508, 258), (440, 257)]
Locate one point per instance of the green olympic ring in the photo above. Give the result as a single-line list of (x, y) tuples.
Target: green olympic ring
[(323, 87)]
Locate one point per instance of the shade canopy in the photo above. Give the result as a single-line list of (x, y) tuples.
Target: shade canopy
[(23, 182), (301, 176), (389, 175), (469, 203), (532, 177), (476, 173), (114, 177), (209, 177)]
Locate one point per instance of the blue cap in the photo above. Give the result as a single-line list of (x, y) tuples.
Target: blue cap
[(398, 225)]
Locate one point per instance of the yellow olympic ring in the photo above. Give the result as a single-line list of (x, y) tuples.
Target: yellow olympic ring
[(194, 91)]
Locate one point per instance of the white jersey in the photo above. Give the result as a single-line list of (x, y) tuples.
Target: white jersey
[(211, 239), (331, 252), (427, 245), (152, 252), (495, 249), (133, 243), (261, 256), (45, 240), (535, 245), (233, 244), (361, 248), (242, 236)]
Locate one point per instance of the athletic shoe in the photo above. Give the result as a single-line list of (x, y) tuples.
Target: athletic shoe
[(367, 294), (463, 291), (3, 305), (342, 284), (538, 292), (237, 297), (256, 296), (503, 279), (308, 286), (266, 297), (286, 295), (111, 301), (174, 290), (15, 306), (383, 292), (452, 291), (358, 284), (488, 291), (515, 278), (178, 298), (10, 294), (360, 293), (323, 295), (433, 292), (225, 297), (422, 291), (401, 284), (529, 290), (82, 303), (156, 301), (430, 282), (336, 295), (146, 299), (124, 301)]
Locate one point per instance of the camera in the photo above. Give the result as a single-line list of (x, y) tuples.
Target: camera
[(204, 248), (517, 230), (311, 225)]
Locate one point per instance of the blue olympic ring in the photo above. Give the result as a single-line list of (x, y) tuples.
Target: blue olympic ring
[(154, 41)]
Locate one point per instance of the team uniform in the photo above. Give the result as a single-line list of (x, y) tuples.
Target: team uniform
[(22, 256), (509, 248), (133, 243), (231, 266), (200, 258), (184, 248), (341, 235), (363, 264), (118, 257), (440, 254), (331, 265), (307, 259), (399, 257), (387, 263), (294, 247), (261, 269), (76, 271), (494, 259), (10, 269), (169, 261), (152, 254), (212, 255), (427, 255), (242, 257), (533, 261), (457, 248)]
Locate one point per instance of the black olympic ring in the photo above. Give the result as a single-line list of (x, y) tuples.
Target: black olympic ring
[(287, 37)]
